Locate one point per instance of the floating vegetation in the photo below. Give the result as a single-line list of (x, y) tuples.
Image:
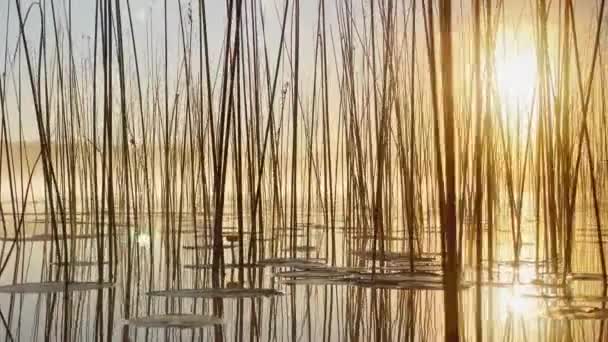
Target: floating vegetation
[(216, 293), (545, 296), (293, 262), (406, 266), (205, 247), (407, 285), (585, 277), (317, 281), (226, 266), (402, 280), (315, 273), (402, 277), (571, 312), (177, 321), (53, 287)]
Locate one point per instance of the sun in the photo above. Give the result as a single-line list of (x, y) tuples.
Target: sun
[(516, 76)]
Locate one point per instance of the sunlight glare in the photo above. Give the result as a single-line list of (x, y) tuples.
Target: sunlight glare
[(516, 76), (520, 305), (143, 240), (516, 303)]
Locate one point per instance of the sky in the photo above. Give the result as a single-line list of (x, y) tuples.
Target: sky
[(148, 22), (148, 17)]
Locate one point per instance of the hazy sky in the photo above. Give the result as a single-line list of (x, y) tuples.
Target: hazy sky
[(148, 17), (148, 21)]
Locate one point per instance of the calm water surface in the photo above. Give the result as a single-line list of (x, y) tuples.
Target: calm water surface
[(347, 305)]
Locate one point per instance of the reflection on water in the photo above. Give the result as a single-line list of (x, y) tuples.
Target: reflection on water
[(143, 239), (517, 303), (305, 297)]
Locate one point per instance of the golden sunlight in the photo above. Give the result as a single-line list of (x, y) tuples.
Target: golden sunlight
[(516, 76), (520, 305), (516, 302)]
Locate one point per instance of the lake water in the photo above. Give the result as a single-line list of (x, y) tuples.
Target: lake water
[(326, 300)]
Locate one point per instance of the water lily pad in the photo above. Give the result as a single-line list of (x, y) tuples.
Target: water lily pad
[(216, 293), (585, 277), (402, 277), (293, 262), (53, 287), (205, 247), (319, 273), (408, 285), (226, 266), (317, 281), (390, 256), (178, 321)]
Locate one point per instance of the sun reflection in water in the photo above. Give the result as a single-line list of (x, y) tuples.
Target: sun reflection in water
[(517, 303), (143, 240), (513, 299)]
